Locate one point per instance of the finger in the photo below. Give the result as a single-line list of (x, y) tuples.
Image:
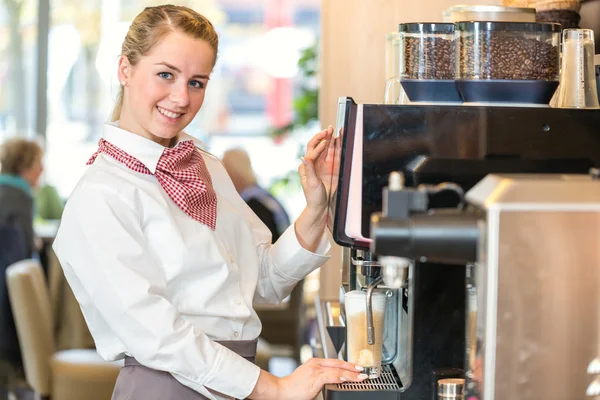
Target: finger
[(302, 169), (315, 140), (319, 147), (331, 148), (326, 138), (346, 376), (308, 174), (318, 150), (330, 375), (335, 363)]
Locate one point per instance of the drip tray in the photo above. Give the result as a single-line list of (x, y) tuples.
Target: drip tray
[(386, 381), (385, 387)]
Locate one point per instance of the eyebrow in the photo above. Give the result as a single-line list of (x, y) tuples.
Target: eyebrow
[(178, 70)]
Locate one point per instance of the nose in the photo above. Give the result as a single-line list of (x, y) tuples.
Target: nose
[(180, 95)]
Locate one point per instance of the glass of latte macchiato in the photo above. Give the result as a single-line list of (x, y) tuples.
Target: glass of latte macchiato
[(360, 352)]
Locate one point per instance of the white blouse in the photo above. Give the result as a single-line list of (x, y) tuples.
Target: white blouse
[(159, 286)]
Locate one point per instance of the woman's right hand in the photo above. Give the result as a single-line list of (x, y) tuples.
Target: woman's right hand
[(307, 380)]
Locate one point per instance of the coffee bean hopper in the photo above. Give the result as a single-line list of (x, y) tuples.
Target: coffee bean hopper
[(480, 62), (511, 62)]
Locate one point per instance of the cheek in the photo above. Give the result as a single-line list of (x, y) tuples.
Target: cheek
[(151, 94), (148, 92), (198, 100)]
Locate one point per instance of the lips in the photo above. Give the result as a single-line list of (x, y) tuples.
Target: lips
[(168, 113)]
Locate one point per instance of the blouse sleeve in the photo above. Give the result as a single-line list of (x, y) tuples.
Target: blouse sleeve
[(285, 263), (282, 264)]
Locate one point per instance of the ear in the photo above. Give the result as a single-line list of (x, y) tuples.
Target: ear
[(124, 69)]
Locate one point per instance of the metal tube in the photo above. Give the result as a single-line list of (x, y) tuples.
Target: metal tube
[(370, 325)]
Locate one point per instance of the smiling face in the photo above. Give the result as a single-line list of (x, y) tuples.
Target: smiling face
[(165, 89)]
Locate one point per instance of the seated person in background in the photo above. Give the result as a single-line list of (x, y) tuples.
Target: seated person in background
[(265, 206), (20, 170)]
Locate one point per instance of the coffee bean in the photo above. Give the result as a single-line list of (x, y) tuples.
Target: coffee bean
[(429, 58), (497, 56)]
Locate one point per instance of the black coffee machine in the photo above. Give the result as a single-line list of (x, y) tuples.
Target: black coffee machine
[(445, 149)]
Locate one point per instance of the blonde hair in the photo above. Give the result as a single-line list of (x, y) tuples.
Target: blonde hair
[(153, 24), (18, 155)]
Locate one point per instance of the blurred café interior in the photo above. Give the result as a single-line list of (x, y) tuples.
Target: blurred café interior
[(287, 69)]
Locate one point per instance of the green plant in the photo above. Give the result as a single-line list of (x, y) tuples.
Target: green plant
[(306, 110), (306, 104)]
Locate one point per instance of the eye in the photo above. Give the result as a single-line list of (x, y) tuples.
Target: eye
[(197, 84), (165, 75)]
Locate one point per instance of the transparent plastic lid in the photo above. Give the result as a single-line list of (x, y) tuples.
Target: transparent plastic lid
[(426, 27), (473, 26), (489, 8)]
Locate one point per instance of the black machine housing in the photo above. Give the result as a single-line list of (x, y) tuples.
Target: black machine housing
[(433, 144)]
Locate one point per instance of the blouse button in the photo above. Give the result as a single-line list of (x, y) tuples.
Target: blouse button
[(238, 301), (236, 334)]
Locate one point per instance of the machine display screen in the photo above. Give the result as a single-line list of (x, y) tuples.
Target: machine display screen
[(334, 160)]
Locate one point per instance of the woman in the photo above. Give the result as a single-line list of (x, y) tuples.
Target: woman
[(161, 252), (20, 170)]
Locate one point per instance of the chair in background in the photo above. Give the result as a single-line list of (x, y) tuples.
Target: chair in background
[(283, 324), (64, 375)]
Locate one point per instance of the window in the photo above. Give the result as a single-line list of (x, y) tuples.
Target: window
[(18, 60), (250, 92)]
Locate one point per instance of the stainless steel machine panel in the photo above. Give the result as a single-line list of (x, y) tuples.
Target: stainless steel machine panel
[(534, 312)]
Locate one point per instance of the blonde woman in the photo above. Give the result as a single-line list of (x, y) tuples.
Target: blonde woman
[(161, 252)]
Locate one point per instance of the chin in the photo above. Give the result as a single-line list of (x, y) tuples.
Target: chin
[(166, 132)]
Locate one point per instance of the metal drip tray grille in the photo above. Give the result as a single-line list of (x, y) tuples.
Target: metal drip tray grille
[(386, 381)]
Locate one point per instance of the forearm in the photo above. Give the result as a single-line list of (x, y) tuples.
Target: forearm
[(309, 228), (267, 387), (283, 264)]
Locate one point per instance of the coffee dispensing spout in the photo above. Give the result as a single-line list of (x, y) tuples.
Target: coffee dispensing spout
[(370, 268), (370, 324)]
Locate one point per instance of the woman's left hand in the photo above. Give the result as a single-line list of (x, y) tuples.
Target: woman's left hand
[(315, 170), (316, 176)]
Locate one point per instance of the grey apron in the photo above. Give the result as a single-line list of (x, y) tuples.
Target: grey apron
[(136, 382)]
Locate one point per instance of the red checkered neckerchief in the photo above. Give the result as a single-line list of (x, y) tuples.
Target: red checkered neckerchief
[(181, 172)]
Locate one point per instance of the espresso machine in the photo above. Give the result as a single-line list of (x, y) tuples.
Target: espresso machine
[(529, 245), (399, 164)]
